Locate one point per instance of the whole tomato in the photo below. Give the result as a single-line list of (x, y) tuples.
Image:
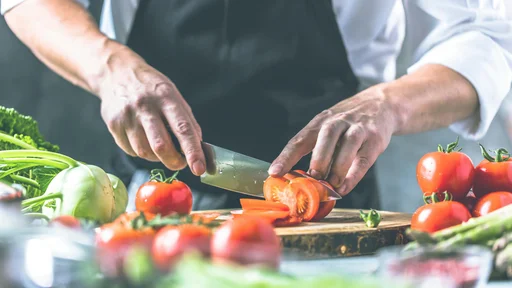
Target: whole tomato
[(173, 241), (164, 196), (114, 240), (246, 240), (492, 201), (439, 215), (493, 173), (446, 170)]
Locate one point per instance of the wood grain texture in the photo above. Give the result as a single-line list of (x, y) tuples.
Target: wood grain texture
[(342, 233)]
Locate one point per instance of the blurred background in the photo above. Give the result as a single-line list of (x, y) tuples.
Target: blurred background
[(76, 125)]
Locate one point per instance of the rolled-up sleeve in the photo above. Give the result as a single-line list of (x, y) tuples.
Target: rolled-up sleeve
[(472, 37), (6, 5)]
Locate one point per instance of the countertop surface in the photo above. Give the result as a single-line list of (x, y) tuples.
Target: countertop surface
[(360, 265)]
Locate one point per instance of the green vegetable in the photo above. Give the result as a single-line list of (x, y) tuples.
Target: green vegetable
[(193, 271), (372, 218), (24, 130), (120, 196)]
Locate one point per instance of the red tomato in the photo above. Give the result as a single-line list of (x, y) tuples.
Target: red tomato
[(255, 204), (449, 171), (114, 240), (324, 209), (287, 222), (491, 202), (492, 176), (127, 217), (173, 241), (66, 221), (437, 216), (164, 197), (246, 240), (267, 215)]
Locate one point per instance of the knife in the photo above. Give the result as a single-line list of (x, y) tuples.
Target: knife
[(240, 173)]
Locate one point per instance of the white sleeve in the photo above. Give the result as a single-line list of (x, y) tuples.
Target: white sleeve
[(6, 5), (472, 37)]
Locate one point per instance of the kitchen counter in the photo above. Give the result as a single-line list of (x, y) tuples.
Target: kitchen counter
[(352, 265)]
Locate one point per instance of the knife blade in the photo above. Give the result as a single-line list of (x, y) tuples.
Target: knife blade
[(239, 173)]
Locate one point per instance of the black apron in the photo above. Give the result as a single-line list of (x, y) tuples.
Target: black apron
[(254, 74)]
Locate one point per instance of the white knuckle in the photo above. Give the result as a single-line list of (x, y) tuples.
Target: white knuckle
[(364, 163), (164, 89), (160, 147), (330, 128)]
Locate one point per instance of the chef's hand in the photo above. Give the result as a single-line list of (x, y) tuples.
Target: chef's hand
[(345, 140), (138, 102)]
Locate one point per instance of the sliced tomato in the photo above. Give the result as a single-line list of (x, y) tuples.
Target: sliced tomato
[(255, 204), (205, 218), (302, 197), (274, 186), (269, 216), (287, 222), (324, 209)]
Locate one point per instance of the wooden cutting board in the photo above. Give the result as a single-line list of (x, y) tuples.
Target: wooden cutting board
[(343, 233)]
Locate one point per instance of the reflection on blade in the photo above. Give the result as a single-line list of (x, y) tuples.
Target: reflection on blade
[(240, 173)]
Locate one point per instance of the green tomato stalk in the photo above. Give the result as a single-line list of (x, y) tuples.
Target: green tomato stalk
[(500, 154), (450, 147), (372, 218)]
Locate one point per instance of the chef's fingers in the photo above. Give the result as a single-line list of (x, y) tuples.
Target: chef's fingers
[(184, 128), (160, 141), (323, 152), (139, 141), (299, 146), (365, 158), (122, 141), (350, 143)]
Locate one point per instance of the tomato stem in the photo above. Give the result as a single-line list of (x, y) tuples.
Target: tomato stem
[(434, 198), (450, 147), (499, 154), (158, 175)]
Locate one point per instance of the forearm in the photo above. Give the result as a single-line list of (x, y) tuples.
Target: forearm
[(63, 35), (432, 97)]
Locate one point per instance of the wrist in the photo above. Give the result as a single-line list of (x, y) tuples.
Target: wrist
[(395, 105), (110, 57)]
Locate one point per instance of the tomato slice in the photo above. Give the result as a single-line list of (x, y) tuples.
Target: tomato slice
[(287, 222), (324, 209), (269, 216), (254, 204), (273, 186), (205, 218), (302, 197)]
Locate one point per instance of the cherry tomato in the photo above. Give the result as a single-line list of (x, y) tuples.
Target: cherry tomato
[(246, 240), (491, 202), (440, 215), (114, 240), (446, 170), (164, 196), (255, 204), (493, 173), (66, 221), (173, 241)]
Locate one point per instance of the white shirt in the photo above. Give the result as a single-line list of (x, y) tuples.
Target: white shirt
[(472, 37)]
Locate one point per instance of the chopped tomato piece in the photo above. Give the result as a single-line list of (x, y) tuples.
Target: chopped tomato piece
[(269, 216), (274, 186), (205, 218), (287, 222), (254, 204), (302, 197), (324, 209)]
